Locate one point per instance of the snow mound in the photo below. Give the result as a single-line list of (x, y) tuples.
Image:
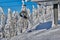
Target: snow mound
[(46, 35), (50, 35)]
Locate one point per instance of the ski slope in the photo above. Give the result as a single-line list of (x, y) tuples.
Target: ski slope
[(41, 33), (47, 35)]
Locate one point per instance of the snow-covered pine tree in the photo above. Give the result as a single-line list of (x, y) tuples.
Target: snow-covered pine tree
[(28, 20), (34, 15), (15, 18), (9, 32), (38, 13), (2, 23)]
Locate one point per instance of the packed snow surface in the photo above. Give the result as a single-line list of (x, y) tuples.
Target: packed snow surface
[(39, 35)]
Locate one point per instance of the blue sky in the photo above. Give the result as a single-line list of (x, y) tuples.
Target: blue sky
[(15, 5)]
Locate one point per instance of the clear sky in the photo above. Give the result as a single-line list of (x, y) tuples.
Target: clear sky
[(15, 5)]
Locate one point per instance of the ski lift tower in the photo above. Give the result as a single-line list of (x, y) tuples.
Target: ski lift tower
[(55, 8)]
